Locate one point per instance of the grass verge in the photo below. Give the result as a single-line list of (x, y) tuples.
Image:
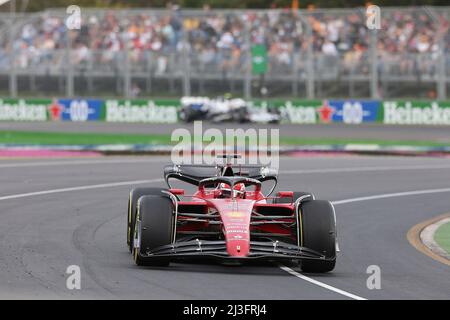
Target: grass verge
[(59, 138), (442, 237)]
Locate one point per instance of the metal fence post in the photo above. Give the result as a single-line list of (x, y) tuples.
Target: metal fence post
[(89, 77), (12, 55), (441, 80), (186, 65), (294, 75), (149, 58), (69, 76), (12, 73), (442, 83), (442, 66), (248, 63), (374, 92), (127, 71), (310, 81)]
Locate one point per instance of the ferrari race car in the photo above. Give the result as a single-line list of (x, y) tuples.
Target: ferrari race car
[(228, 218)]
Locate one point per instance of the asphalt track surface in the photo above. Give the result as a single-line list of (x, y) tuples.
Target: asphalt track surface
[(306, 131), (56, 213)]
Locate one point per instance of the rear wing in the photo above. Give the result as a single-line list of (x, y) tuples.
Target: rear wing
[(193, 174)]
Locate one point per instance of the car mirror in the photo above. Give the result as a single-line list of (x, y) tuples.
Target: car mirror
[(177, 192), (286, 194)]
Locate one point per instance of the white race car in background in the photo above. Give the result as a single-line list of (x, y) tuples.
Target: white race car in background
[(225, 109)]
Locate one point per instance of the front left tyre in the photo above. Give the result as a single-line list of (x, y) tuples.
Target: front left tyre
[(135, 194), (154, 227)]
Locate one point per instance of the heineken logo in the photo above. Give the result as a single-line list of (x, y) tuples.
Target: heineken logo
[(133, 112), (300, 114), (21, 110), (432, 114)]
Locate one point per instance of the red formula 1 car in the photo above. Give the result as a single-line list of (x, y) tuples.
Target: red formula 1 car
[(230, 219)]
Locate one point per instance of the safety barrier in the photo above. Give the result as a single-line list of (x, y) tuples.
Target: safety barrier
[(395, 112)]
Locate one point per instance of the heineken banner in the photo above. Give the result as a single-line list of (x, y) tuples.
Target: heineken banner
[(363, 111), (23, 110), (326, 111), (418, 113), (167, 111), (142, 111), (81, 110), (77, 110), (354, 112), (295, 111)]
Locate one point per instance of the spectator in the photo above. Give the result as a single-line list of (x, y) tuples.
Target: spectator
[(219, 39)]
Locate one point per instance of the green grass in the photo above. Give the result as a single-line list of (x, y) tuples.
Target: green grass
[(442, 237), (296, 140), (56, 138)]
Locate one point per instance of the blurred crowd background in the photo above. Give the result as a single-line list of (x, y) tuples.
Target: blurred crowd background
[(177, 51)]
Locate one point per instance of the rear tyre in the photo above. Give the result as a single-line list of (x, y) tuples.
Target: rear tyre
[(296, 196), (135, 194), (186, 115), (154, 228), (318, 223), (242, 115)]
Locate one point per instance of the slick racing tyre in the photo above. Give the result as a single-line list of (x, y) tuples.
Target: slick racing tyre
[(186, 115), (154, 227), (296, 196), (241, 115), (135, 194), (318, 232)]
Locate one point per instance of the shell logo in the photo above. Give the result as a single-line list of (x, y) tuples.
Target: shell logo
[(235, 214)]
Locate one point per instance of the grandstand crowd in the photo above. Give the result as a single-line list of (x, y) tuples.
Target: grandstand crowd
[(220, 39)]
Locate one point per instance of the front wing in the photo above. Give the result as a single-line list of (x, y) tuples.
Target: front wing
[(259, 250)]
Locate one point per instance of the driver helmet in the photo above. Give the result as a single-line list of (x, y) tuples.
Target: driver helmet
[(238, 190)]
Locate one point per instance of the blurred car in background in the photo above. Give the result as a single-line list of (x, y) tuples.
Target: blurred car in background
[(226, 109)]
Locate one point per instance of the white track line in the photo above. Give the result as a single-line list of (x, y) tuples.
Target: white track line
[(321, 284), (81, 188), (392, 195), (367, 169), (360, 199), (75, 162)]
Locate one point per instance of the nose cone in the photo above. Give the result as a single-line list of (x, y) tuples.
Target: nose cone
[(238, 248), (236, 224)]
